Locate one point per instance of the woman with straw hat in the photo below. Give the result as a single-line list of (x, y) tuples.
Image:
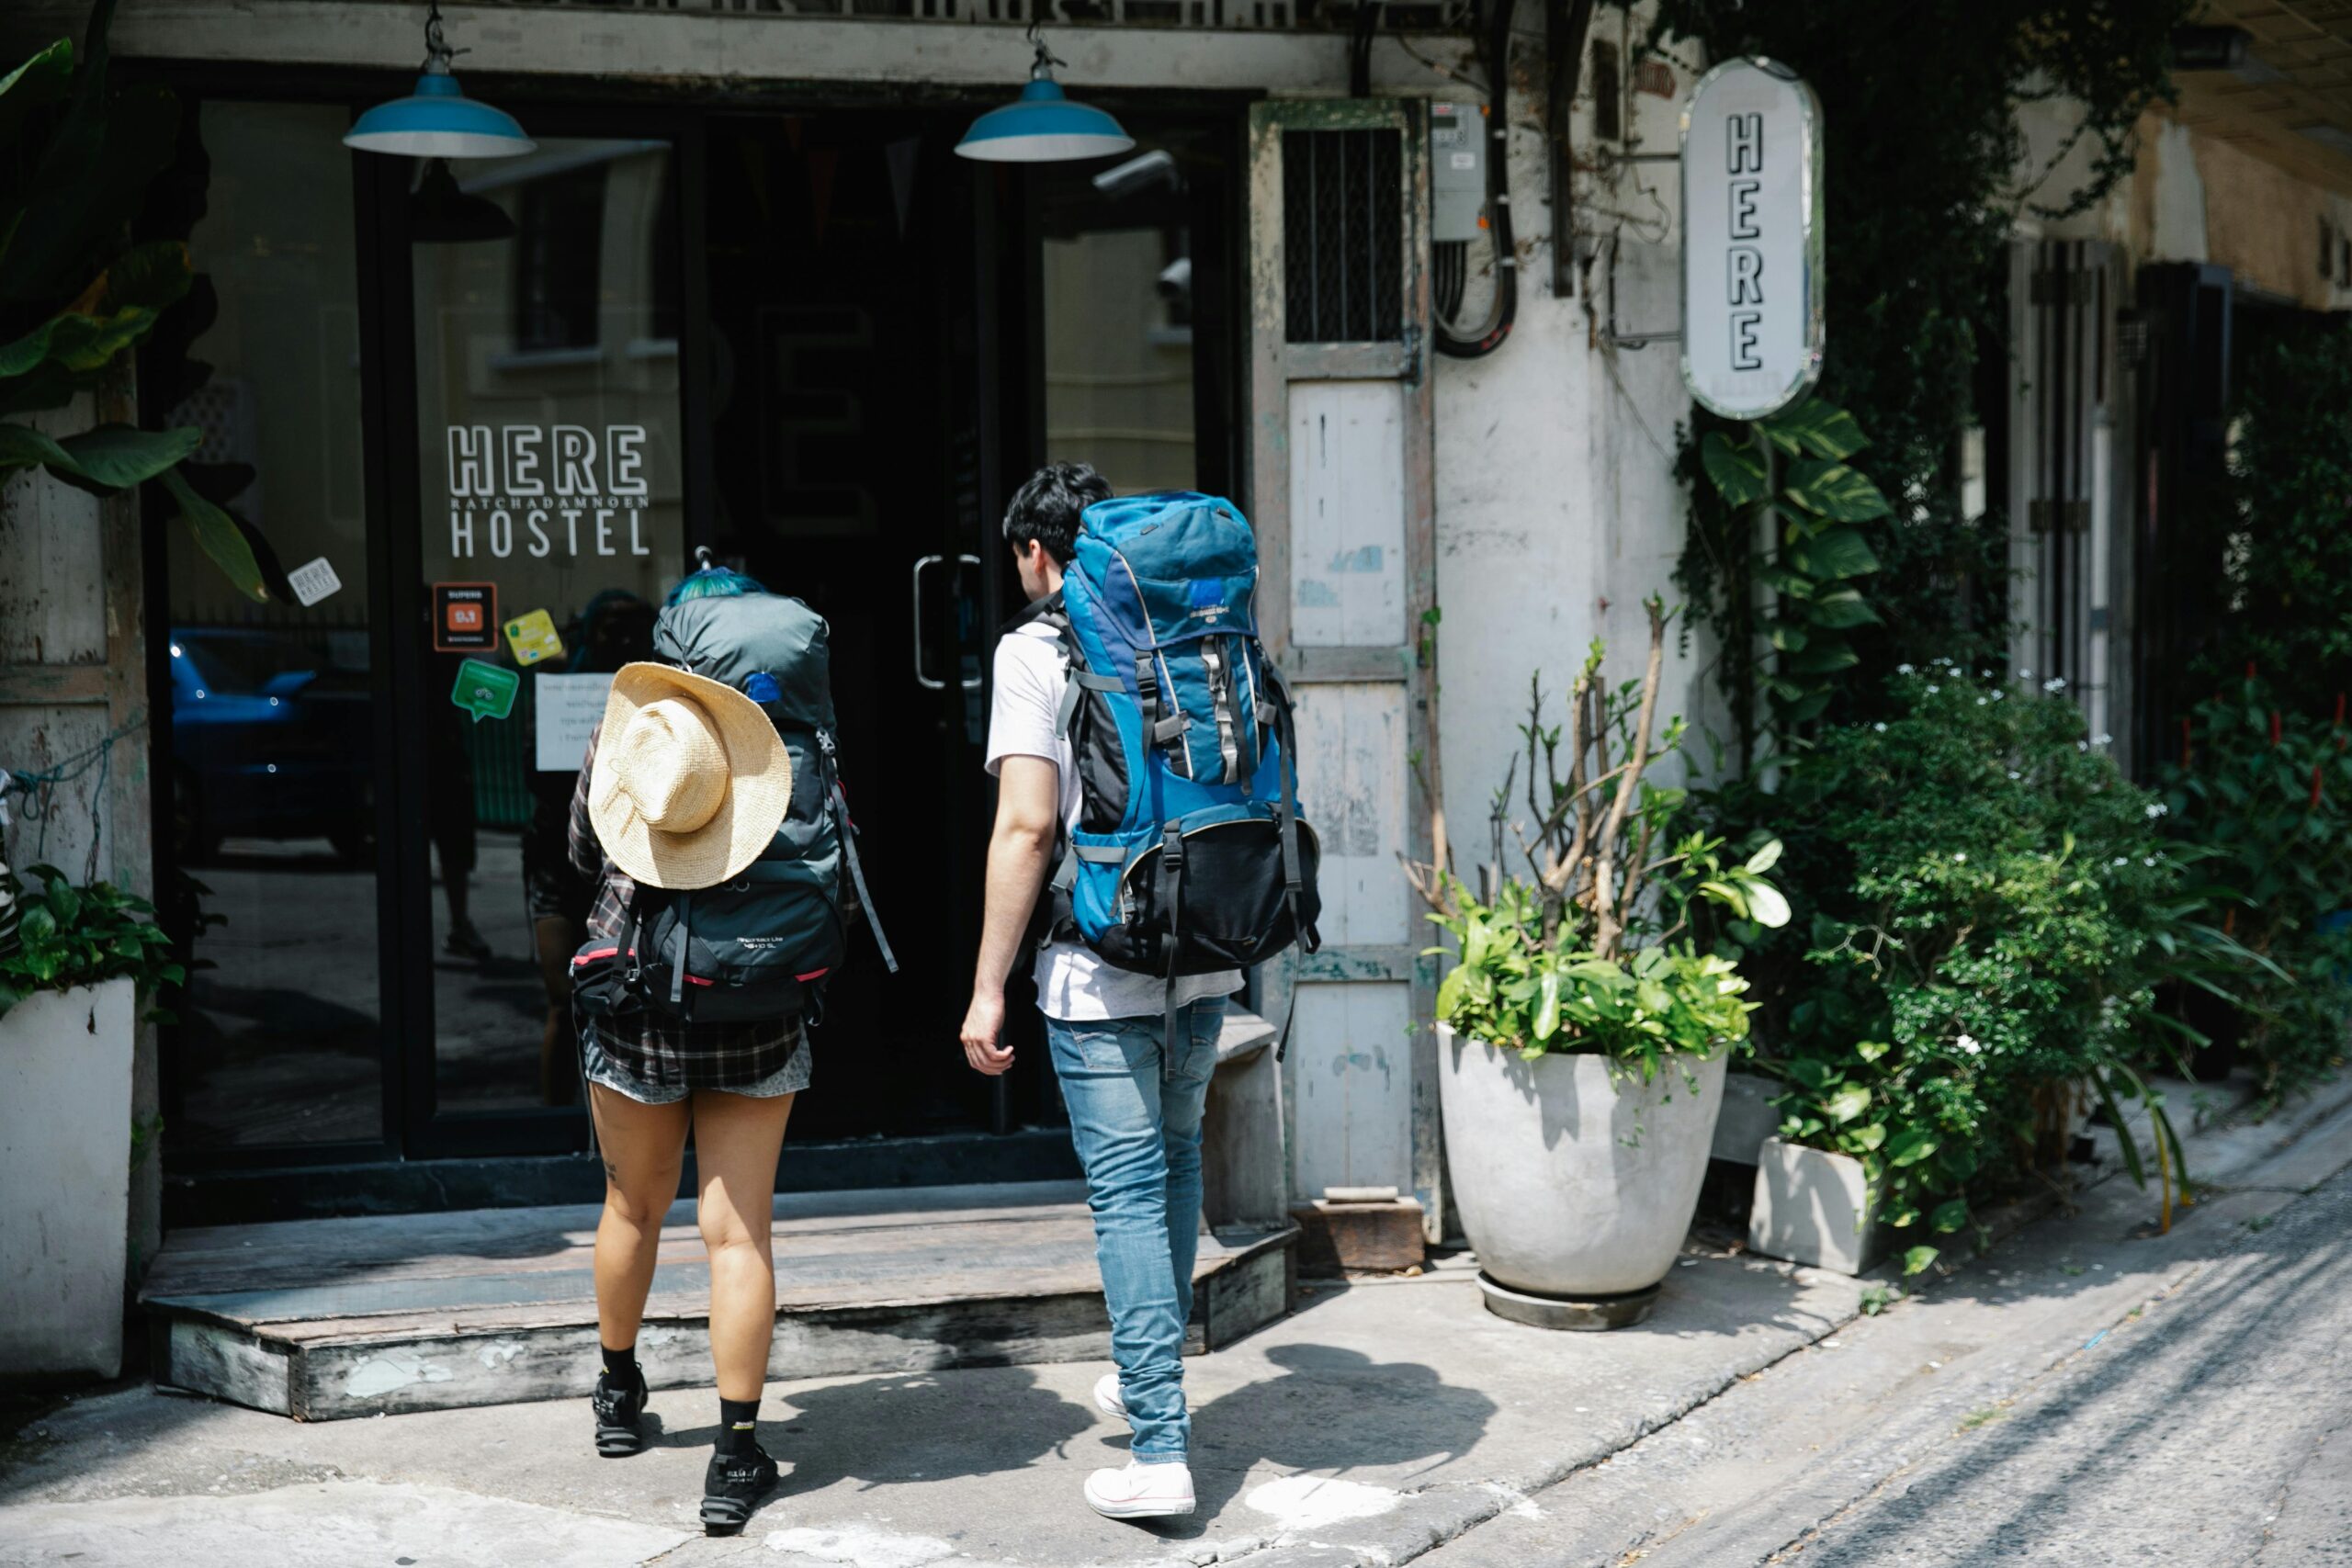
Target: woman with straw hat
[(684, 783)]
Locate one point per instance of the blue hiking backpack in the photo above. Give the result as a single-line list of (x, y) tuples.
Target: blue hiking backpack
[(1190, 856)]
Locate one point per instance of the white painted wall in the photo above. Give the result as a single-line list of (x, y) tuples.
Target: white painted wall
[(1557, 511)]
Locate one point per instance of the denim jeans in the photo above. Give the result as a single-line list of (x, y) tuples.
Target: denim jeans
[(1135, 1114)]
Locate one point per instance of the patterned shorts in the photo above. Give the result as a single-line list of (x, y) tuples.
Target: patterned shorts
[(789, 1079)]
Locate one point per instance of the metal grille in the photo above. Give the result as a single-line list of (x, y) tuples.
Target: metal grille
[(1343, 236)]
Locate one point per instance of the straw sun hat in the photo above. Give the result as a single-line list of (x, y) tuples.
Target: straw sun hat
[(690, 780)]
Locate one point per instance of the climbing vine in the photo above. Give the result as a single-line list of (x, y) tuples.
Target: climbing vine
[(1923, 149)]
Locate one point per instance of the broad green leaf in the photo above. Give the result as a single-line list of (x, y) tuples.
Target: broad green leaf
[(219, 534), (1841, 609), (1810, 1071), (76, 341), (1911, 1146), (1765, 859), (1766, 906), (1738, 474), (1834, 491), (1819, 426), (1821, 658), (151, 277), (1916, 1261), (1725, 892), (1449, 993), (1833, 553), (1869, 1137), (1871, 1049), (1547, 1008), (21, 447), (1849, 1101), (1949, 1216), (114, 457), (1785, 636), (40, 80), (1794, 584)]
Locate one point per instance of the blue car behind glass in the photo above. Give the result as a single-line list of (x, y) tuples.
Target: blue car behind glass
[(270, 740)]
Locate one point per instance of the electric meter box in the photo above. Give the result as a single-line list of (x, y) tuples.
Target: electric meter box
[(1457, 171)]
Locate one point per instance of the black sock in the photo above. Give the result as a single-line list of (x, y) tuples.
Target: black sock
[(620, 1365), (739, 1422)]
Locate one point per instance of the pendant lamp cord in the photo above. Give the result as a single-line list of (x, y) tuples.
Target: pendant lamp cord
[(437, 48), (1042, 66)]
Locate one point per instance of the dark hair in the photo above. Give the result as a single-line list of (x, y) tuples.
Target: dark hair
[(1047, 509)]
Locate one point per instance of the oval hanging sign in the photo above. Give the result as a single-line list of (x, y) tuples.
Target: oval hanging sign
[(1751, 239)]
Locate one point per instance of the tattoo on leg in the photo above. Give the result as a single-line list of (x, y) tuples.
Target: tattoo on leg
[(612, 1173)]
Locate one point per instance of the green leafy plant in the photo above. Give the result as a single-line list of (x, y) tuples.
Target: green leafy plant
[(2265, 793), (1593, 950), (76, 155), (66, 936), (1929, 170), (1810, 569), (2005, 905)]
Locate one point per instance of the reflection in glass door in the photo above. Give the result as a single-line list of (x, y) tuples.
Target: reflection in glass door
[(551, 480), (268, 836)]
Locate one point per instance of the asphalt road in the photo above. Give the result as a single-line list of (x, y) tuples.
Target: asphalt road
[(2218, 1431)]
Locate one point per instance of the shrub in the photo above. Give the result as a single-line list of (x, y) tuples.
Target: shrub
[(2266, 791), (1992, 909)]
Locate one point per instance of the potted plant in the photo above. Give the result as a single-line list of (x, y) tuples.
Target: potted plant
[(1583, 1032), (73, 962), (1993, 907)]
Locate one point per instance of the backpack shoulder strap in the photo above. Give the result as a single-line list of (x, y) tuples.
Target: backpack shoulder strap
[(837, 802)]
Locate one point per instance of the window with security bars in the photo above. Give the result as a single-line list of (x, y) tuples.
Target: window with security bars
[(1343, 236)]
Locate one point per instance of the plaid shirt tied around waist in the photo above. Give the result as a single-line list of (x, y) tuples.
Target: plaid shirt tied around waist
[(667, 1054)]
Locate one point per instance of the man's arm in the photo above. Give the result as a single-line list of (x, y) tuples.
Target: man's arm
[(1028, 803)]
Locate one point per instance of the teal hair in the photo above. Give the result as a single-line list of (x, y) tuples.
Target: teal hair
[(714, 582)]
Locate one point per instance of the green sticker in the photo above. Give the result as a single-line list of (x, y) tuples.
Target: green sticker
[(485, 690)]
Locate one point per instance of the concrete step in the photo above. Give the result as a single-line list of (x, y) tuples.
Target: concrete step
[(327, 1319)]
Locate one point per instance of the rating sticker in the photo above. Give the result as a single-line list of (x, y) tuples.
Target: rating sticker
[(485, 690), (533, 638), (314, 582)]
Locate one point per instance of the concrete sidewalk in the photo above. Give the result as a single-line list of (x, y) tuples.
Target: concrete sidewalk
[(1381, 1420)]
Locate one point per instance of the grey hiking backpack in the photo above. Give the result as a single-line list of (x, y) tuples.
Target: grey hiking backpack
[(762, 944)]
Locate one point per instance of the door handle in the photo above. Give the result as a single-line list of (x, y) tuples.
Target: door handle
[(928, 682)]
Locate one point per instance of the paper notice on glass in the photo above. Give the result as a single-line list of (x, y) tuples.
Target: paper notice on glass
[(568, 707)]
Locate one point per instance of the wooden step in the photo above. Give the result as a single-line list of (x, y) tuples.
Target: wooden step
[(323, 1319)]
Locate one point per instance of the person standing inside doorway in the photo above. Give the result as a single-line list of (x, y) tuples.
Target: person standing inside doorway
[(1134, 1087)]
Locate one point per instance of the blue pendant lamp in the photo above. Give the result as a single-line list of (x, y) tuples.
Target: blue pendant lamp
[(438, 120), (1041, 125)]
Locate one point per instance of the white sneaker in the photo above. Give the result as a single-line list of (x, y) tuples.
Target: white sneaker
[(1107, 1397), (1141, 1491)]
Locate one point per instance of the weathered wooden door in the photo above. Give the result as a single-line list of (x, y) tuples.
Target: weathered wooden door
[(1340, 486)]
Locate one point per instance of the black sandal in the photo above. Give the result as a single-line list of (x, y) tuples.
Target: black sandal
[(732, 1487), (617, 1410)]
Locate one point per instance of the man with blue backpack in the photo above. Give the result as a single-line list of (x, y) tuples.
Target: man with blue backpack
[(1142, 745)]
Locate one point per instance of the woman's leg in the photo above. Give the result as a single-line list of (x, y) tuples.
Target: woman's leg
[(643, 1147), (737, 1140)]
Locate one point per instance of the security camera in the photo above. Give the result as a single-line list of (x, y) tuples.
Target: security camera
[(1138, 174)]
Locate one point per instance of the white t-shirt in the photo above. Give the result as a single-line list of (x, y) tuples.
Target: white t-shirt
[(1073, 984)]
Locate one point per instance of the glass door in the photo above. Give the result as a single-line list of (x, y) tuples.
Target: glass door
[(547, 319), (266, 742)]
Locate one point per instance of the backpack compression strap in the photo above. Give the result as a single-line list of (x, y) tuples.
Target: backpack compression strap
[(1294, 878), (1172, 901), (837, 800)]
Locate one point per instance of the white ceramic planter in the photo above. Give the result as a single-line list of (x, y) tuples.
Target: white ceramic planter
[(1813, 1207), (64, 1179), (1570, 1185)]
